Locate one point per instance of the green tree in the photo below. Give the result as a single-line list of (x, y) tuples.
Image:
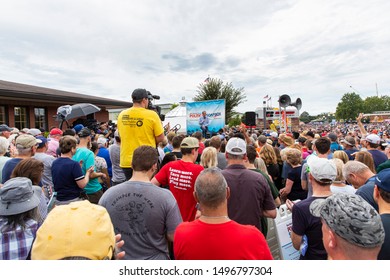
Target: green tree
[(386, 102), (349, 107), (374, 103), (217, 89), (234, 121), (305, 117), (173, 106)]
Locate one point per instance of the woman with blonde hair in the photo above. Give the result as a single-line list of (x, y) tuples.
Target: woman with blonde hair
[(341, 155), (268, 155), (339, 185), (293, 189), (208, 158), (366, 158)]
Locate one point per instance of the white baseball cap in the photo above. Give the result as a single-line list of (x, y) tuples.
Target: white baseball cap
[(322, 169), (236, 146), (373, 138)]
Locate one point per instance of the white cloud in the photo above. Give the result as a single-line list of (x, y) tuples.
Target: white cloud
[(314, 50)]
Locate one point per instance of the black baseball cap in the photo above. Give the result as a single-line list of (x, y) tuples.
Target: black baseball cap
[(85, 132), (139, 94)]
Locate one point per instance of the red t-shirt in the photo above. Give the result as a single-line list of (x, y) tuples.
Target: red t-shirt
[(228, 241), (181, 176), (201, 147)]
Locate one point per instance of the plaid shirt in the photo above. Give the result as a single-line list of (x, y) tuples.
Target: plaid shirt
[(16, 243)]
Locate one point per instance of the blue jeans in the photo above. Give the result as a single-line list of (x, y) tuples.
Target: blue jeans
[(204, 129)]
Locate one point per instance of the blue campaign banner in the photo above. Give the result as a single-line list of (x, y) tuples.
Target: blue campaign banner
[(215, 110)]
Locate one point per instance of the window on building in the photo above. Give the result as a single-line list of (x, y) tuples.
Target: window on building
[(40, 118), (3, 115), (21, 117)]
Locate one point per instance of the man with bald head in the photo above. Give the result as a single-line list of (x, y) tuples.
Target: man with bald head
[(214, 236)]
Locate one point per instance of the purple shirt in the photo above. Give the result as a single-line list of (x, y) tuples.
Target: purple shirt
[(250, 195), (16, 243)]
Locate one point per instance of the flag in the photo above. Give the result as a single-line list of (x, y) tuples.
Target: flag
[(265, 97), (207, 80), (269, 98)]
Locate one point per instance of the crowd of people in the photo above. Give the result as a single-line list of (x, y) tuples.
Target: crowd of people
[(143, 193)]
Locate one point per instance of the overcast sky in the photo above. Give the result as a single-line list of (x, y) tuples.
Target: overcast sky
[(311, 49)]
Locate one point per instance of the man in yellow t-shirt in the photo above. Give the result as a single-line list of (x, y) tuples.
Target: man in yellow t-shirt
[(138, 126)]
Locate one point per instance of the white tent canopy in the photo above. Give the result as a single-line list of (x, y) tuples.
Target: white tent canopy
[(177, 118)]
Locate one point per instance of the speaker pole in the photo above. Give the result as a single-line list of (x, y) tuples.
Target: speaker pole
[(280, 116), (264, 115), (285, 120)]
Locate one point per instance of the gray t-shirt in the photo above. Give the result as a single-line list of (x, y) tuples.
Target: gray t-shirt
[(143, 214), (47, 163), (118, 176)]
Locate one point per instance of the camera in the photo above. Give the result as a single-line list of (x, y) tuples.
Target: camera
[(153, 107), (150, 98), (111, 125)]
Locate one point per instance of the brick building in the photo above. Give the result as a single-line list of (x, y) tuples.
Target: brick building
[(30, 106)]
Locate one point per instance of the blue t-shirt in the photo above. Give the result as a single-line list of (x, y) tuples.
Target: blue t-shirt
[(65, 173), (350, 152), (9, 166), (104, 153), (334, 146), (168, 148), (378, 156), (88, 159), (367, 192)]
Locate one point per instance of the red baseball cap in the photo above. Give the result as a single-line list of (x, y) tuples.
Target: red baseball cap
[(56, 131)]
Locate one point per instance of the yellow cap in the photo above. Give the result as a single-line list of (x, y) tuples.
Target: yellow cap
[(79, 229)]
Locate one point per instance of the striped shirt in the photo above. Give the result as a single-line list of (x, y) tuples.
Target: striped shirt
[(16, 243)]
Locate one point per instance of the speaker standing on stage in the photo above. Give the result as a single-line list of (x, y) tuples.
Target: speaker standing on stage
[(204, 124)]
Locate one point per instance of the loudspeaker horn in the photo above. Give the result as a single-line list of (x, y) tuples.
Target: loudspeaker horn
[(297, 104), (284, 100)]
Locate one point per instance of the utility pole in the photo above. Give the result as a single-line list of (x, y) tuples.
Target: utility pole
[(376, 85)]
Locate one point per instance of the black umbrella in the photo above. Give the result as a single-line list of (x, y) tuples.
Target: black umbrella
[(68, 112)]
